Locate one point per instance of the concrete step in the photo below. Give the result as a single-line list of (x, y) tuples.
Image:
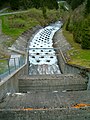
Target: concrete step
[(46, 115), (46, 106), (52, 82)]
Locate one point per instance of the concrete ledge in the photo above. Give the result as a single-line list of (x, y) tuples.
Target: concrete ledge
[(45, 106), (67, 114), (51, 82), (10, 83)]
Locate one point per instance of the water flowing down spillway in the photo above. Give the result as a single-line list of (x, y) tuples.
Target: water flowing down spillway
[(42, 56)]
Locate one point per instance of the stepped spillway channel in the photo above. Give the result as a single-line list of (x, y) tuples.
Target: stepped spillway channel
[(42, 56)]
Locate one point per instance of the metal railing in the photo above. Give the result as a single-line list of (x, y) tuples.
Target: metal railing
[(8, 66)]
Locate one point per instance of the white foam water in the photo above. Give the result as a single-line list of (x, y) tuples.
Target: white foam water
[(41, 52)]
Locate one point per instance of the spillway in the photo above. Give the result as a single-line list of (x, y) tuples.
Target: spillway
[(42, 55)]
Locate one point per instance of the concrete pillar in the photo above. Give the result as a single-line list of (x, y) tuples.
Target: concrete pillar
[(0, 26)]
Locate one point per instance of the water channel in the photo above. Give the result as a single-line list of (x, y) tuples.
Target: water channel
[(42, 55)]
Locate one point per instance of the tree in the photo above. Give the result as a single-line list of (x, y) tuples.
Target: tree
[(3, 2), (44, 12), (74, 3), (87, 7), (25, 4), (67, 24), (86, 41), (86, 34), (69, 1), (14, 4)]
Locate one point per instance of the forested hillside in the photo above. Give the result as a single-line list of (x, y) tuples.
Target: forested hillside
[(77, 32), (25, 4), (79, 22)]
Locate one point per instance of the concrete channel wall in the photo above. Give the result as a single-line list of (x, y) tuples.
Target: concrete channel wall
[(22, 42), (66, 68), (10, 83), (60, 82), (73, 69)]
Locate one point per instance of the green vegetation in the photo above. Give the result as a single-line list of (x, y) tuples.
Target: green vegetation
[(3, 66), (77, 32), (87, 8), (75, 3), (15, 25), (77, 55), (81, 31), (27, 4), (79, 24)]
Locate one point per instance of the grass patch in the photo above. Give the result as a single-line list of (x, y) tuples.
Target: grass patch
[(77, 55), (15, 25), (3, 66)]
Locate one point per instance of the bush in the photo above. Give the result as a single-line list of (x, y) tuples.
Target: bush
[(80, 30), (86, 41), (44, 12), (86, 33), (87, 7), (67, 24), (77, 32)]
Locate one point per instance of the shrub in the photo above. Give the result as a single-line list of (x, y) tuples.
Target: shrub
[(86, 33)]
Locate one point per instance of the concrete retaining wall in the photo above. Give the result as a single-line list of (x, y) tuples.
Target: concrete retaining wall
[(65, 67), (63, 46), (73, 69), (10, 83), (22, 42), (52, 83)]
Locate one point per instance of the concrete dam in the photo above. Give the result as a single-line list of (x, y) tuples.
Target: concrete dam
[(46, 87)]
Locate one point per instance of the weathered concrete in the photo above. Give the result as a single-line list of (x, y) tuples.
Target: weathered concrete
[(67, 114), (22, 42), (45, 99), (10, 83), (62, 45), (46, 106), (67, 82), (65, 67), (88, 86)]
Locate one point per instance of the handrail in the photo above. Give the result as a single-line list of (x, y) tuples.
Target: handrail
[(9, 65)]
